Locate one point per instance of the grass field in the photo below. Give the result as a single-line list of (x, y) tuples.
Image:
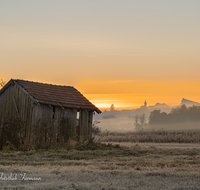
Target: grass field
[(103, 166), (151, 136)]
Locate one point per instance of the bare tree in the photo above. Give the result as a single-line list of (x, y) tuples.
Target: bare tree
[(136, 118), (142, 119), (139, 121), (95, 128), (2, 83)]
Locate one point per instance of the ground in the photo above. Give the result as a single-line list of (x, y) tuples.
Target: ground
[(108, 166)]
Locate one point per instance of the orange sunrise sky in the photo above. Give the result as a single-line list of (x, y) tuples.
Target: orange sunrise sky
[(114, 52)]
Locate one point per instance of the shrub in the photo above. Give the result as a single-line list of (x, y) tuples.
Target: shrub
[(95, 128)]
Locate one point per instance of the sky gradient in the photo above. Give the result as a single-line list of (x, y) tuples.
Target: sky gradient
[(113, 51)]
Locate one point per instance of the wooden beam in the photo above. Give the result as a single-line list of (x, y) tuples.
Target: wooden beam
[(60, 105)]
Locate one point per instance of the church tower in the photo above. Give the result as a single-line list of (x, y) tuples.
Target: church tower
[(145, 104)]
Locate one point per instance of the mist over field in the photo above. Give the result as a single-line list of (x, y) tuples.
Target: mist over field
[(155, 117)]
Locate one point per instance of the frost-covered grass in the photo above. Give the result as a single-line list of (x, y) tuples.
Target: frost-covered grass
[(104, 167)]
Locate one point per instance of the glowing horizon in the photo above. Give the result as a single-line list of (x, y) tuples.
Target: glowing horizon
[(133, 102), (135, 92), (171, 93), (113, 52)]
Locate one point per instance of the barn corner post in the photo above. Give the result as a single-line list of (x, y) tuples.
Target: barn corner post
[(90, 121)]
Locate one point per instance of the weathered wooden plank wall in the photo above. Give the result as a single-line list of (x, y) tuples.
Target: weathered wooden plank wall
[(14, 96), (83, 125), (52, 116), (90, 119), (14, 103)]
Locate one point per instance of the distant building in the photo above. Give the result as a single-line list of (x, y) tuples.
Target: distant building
[(145, 104)]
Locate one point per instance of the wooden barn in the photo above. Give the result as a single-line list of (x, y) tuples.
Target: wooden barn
[(48, 113)]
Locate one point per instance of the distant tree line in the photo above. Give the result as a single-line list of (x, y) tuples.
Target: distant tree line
[(108, 117), (181, 114)]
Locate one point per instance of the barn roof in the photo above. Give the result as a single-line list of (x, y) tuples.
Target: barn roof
[(56, 95)]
